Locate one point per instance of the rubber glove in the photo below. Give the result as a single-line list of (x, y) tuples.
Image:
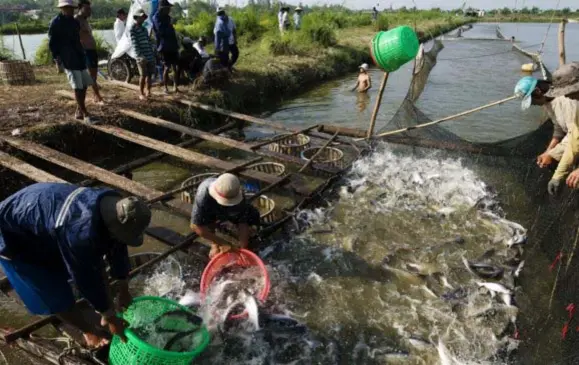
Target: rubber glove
[(554, 186)]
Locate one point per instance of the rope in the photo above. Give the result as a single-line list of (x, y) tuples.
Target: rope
[(549, 28)]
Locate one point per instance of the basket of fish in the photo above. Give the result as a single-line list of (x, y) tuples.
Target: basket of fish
[(238, 273), (193, 182), (161, 332)]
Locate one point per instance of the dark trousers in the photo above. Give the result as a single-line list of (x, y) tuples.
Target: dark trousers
[(234, 54), (224, 58)]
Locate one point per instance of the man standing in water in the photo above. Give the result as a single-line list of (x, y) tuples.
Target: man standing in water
[(220, 200), (67, 51), (364, 82), (167, 44), (89, 44), (52, 234)]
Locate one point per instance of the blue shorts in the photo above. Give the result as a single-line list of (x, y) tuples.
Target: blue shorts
[(92, 58), (43, 291)]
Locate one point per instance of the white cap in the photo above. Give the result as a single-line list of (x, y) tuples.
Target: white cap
[(226, 190), (364, 67), (66, 3)]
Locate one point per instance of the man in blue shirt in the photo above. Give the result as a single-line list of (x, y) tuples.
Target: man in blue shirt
[(52, 234), (167, 43), (220, 200), (67, 51), (222, 34)]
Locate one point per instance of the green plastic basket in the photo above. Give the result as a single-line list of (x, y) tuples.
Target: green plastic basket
[(136, 351), (392, 49)]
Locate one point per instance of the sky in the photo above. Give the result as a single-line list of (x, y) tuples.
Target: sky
[(444, 4)]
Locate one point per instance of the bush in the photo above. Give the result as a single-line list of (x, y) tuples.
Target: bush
[(321, 34), (282, 45), (5, 53), (202, 25), (43, 57), (382, 23), (248, 23)]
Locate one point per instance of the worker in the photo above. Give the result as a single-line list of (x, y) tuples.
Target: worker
[(566, 85), (89, 44), (220, 200), (200, 47), (364, 82), (54, 233), (298, 18), (120, 24), (222, 35), (284, 20), (167, 43)]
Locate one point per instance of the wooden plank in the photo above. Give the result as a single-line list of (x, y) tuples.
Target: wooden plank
[(283, 136), (186, 130), (349, 132), (182, 153), (225, 141), (26, 169), (95, 172)]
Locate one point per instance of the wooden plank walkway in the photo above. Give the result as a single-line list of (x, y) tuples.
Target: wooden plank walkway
[(26, 169), (92, 171), (224, 141), (182, 153)]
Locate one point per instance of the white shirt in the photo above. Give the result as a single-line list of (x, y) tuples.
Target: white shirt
[(280, 18), (563, 113), (119, 29), (285, 18), (297, 20), (231, 26), (202, 52)]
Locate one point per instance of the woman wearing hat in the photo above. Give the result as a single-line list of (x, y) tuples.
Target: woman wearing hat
[(220, 200), (52, 234)]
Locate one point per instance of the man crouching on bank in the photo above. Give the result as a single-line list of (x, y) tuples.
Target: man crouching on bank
[(220, 200)]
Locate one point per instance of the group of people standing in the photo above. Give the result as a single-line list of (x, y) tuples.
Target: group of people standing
[(283, 18), (560, 99)]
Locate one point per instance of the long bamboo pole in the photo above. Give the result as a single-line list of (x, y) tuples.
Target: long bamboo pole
[(462, 114), (562, 55), (21, 44), (377, 105)]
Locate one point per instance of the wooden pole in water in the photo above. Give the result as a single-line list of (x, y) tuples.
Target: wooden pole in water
[(20, 39), (377, 105), (562, 56), (462, 114)]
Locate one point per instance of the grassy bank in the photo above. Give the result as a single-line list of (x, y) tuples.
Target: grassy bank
[(523, 18), (40, 27)]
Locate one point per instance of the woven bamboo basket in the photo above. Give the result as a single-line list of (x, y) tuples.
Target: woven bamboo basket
[(272, 168), (266, 208), (292, 145), (194, 181), (16, 73), (330, 155)]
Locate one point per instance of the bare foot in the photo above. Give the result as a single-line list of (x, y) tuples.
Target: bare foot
[(142, 97), (94, 341)]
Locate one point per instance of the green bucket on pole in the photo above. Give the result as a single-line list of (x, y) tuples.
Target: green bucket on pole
[(392, 49)]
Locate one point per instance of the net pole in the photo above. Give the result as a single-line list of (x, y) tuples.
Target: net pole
[(377, 105), (467, 112)]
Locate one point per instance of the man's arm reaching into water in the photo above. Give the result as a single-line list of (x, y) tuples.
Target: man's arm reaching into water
[(356, 87)]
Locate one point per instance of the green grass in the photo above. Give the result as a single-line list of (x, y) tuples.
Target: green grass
[(42, 57), (39, 26)]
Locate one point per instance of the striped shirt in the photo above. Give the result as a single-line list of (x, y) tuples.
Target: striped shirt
[(142, 45)]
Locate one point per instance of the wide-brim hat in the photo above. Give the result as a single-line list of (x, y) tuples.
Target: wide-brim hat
[(226, 190), (125, 218), (565, 80), (139, 13), (66, 4), (299, 9)]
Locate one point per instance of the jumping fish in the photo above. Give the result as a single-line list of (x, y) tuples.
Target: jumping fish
[(485, 271), (404, 275), (494, 288), (519, 268), (445, 356), (419, 343)]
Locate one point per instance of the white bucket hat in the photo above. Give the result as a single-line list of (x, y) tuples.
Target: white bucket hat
[(66, 3), (226, 190), (364, 67)]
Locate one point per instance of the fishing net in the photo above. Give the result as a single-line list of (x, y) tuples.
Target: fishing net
[(408, 115)]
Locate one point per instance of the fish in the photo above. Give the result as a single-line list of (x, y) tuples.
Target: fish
[(186, 315), (517, 239), (487, 255), (456, 294), (443, 280), (445, 356), (419, 343), (280, 323), (179, 336), (519, 269), (422, 269), (495, 288), (485, 271), (404, 275)]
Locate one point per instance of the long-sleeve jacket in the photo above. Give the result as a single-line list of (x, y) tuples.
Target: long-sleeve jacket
[(222, 34), (165, 33), (119, 29), (569, 110), (64, 42), (59, 227), (562, 112)]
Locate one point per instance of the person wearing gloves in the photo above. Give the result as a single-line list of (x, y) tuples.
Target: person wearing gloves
[(220, 200), (364, 82), (52, 234), (566, 85), (561, 111)]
